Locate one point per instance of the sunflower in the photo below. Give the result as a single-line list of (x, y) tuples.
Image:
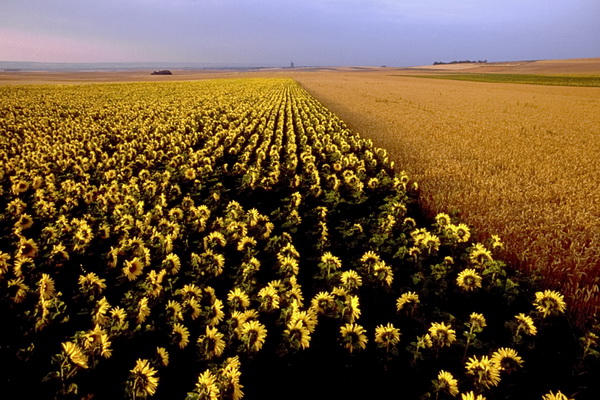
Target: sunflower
[(46, 285), (383, 273), (181, 335), (207, 387), (485, 371), (192, 306), (369, 259), (555, 396), (387, 335), (4, 263), (410, 223), (173, 310), (323, 303), (27, 248), (215, 313), (297, 334), (414, 252), (477, 322), (143, 379), (163, 356), (214, 239), (172, 263), (133, 268), (143, 310), (471, 396), (99, 315), (496, 242), (287, 265), (462, 232), (308, 318), (210, 262), (16, 206), (352, 308), (19, 186), (238, 299), (25, 222), (211, 343), (236, 230), (468, 280), (190, 174), (351, 280), (441, 334), (447, 383), (353, 337), (269, 298), (525, 324), (75, 354), (104, 231), (92, 283), (190, 291), (97, 342), (230, 382), (479, 255), (329, 263), (507, 359), (443, 219), (154, 281), (22, 265), (119, 316), (407, 299), (550, 302), (246, 243), (253, 335)]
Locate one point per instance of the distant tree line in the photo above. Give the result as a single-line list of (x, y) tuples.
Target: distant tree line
[(162, 72), (460, 62)]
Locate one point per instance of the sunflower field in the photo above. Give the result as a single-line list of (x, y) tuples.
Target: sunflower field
[(232, 239)]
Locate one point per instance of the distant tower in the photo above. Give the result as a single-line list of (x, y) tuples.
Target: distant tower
[(292, 64)]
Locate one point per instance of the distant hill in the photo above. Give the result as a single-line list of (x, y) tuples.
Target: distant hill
[(565, 66)]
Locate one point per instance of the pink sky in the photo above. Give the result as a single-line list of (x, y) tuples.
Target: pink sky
[(27, 46), (309, 32)]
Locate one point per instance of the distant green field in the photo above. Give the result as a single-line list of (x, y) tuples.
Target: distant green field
[(553, 80)]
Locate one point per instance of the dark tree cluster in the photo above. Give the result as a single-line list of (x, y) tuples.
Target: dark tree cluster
[(460, 62)]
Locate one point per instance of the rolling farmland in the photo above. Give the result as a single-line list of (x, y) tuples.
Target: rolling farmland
[(203, 239)]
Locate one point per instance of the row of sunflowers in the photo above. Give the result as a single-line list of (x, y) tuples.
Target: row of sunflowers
[(166, 240)]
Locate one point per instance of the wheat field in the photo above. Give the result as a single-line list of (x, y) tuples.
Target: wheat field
[(520, 161)]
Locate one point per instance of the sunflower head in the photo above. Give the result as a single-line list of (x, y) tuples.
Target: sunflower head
[(507, 359), (387, 335), (555, 396), (180, 335), (238, 299), (525, 324), (353, 337), (408, 300), (253, 335), (484, 371), (133, 268), (143, 380), (446, 383), (469, 280), (550, 302), (75, 354), (441, 334)]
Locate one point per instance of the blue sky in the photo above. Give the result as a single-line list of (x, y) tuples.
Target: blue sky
[(309, 32)]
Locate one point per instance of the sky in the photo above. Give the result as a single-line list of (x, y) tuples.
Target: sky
[(307, 32)]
